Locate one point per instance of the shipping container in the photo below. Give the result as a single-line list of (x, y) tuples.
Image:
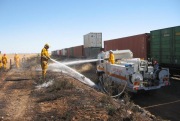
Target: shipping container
[(71, 51), (93, 40), (91, 52), (64, 52), (165, 46), (138, 44), (60, 53), (57, 52), (176, 48), (52, 52), (78, 51), (68, 52), (162, 45)]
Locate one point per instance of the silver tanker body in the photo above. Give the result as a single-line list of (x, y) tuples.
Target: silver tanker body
[(135, 73)]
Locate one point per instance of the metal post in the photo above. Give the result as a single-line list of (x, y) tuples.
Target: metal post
[(10, 64)]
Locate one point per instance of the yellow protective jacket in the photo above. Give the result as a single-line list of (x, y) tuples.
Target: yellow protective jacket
[(0, 64), (4, 59), (111, 58), (16, 58), (44, 55)]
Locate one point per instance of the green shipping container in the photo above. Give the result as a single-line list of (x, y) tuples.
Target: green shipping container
[(165, 45), (155, 44), (167, 33), (176, 48), (155, 33)]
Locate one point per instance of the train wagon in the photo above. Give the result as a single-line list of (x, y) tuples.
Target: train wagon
[(78, 51), (165, 47), (138, 44)]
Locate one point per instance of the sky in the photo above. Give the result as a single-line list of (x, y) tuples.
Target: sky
[(27, 25)]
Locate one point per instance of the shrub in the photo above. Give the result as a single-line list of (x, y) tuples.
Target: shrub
[(60, 85)]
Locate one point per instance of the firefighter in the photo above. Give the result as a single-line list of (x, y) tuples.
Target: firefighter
[(101, 55), (111, 57), (16, 60), (156, 65), (4, 61), (44, 60), (0, 64)]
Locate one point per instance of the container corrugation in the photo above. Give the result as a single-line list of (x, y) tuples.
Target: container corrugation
[(72, 52), (68, 52), (161, 46), (168, 44), (177, 45), (78, 51), (52, 52), (64, 52), (91, 52), (93, 40), (138, 44), (59, 52)]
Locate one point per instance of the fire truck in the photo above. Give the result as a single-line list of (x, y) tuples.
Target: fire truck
[(128, 73)]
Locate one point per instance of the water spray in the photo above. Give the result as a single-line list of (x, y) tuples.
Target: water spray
[(80, 61), (57, 66)]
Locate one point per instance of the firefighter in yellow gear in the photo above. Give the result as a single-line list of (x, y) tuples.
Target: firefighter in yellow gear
[(111, 57), (44, 60), (4, 61), (0, 64), (16, 60)]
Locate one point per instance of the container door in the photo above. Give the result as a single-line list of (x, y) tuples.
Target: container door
[(176, 46), (166, 46), (155, 45)]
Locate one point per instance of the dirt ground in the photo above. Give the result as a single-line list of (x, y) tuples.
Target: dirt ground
[(66, 99)]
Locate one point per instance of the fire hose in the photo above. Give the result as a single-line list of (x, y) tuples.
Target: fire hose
[(119, 94)]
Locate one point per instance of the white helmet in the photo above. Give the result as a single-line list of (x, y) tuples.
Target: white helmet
[(111, 51)]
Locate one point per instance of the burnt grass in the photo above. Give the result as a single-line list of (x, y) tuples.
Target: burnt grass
[(69, 100)]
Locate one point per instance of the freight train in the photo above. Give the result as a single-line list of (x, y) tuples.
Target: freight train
[(162, 45)]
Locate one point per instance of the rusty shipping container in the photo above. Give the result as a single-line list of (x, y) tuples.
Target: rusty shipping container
[(78, 51), (68, 52), (138, 44), (59, 52)]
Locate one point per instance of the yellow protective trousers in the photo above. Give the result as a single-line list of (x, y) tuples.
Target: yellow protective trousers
[(44, 66), (17, 64), (4, 65), (1, 65)]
